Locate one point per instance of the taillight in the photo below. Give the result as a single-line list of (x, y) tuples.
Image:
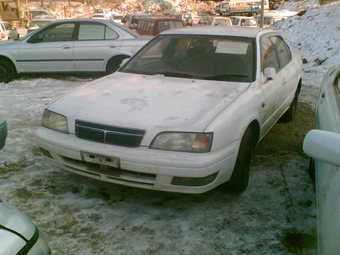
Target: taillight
[(3, 36)]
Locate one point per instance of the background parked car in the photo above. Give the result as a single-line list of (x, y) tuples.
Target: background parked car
[(73, 45), (7, 31), (38, 22), (34, 13), (154, 25), (188, 18), (243, 21), (323, 145), (214, 21), (269, 20), (131, 20), (117, 17), (98, 16), (182, 115)]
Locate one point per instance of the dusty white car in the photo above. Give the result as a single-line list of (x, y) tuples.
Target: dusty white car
[(243, 21), (8, 32), (214, 21), (69, 45), (182, 115), (323, 145)]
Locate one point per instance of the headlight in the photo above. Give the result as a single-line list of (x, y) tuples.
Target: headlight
[(54, 121), (186, 142)]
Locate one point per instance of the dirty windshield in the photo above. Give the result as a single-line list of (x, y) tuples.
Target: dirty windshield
[(199, 57)]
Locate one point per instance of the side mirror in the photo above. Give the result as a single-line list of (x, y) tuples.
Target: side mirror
[(123, 20), (269, 72), (323, 145)]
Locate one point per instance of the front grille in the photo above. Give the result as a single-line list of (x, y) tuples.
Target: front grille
[(100, 133)]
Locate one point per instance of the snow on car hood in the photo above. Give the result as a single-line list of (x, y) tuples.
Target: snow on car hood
[(154, 103)]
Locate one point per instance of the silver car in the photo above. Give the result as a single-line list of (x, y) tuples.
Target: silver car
[(72, 45), (18, 234), (323, 145)]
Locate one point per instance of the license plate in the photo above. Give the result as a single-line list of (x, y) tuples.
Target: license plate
[(100, 159)]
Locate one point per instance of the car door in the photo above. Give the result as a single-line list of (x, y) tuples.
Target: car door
[(277, 91), (95, 45), (50, 50)]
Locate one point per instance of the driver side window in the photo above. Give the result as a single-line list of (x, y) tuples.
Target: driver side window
[(269, 57), (62, 32)]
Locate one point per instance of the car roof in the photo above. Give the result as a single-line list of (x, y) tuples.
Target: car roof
[(161, 18), (44, 17), (215, 16), (220, 30)]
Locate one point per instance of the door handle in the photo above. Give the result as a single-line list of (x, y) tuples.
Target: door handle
[(111, 46), (65, 47)]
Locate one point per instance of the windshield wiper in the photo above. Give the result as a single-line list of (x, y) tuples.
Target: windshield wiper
[(223, 77), (176, 74)]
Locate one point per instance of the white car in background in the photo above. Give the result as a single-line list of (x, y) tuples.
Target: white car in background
[(70, 46), (323, 145), (38, 22), (214, 21), (182, 115), (243, 21), (8, 32)]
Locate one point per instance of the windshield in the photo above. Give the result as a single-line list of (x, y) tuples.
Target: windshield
[(219, 58)]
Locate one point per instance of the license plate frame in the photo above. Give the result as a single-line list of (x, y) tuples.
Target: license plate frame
[(101, 159)]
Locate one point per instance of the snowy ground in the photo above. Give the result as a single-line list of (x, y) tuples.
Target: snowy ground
[(275, 215)]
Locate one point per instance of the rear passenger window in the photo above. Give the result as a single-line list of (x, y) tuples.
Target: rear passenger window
[(96, 32)]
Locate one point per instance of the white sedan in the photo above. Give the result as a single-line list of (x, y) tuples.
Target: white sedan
[(71, 45), (182, 115), (323, 145)]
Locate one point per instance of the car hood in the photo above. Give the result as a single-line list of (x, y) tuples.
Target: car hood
[(13, 219), (155, 103)]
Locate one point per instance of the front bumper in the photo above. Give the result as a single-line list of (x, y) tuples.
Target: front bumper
[(139, 167)]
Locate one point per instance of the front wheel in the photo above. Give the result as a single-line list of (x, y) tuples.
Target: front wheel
[(114, 64), (240, 177), (7, 71)]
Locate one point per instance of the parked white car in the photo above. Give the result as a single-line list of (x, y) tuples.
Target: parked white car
[(269, 20), (38, 22), (70, 45), (182, 115), (243, 21), (8, 32), (323, 145), (214, 21)]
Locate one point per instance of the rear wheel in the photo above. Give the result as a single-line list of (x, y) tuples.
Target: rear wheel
[(114, 64), (7, 71), (240, 177)]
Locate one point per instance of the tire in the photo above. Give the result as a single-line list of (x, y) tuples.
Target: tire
[(7, 71), (114, 64), (289, 115), (240, 177)]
